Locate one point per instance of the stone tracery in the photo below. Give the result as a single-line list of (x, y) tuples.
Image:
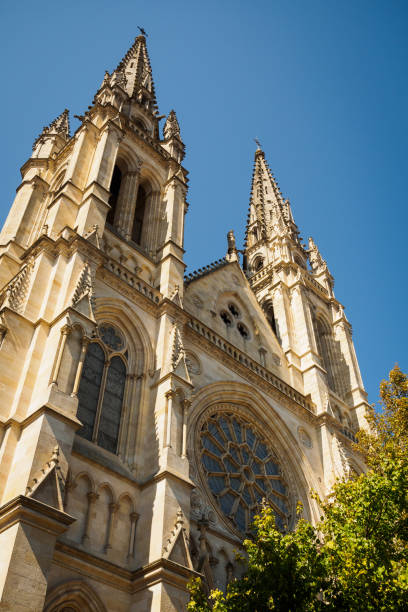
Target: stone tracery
[(241, 469)]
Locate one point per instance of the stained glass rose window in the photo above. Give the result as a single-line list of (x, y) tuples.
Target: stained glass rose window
[(241, 469)]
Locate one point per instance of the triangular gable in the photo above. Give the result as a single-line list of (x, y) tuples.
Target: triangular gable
[(207, 297)]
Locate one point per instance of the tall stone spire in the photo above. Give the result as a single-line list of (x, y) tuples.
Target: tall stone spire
[(137, 75), (269, 213)]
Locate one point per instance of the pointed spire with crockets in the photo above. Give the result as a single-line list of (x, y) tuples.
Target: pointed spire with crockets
[(136, 74), (60, 126), (269, 214)]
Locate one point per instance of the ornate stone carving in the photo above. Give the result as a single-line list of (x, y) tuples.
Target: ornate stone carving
[(171, 127), (317, 262), (17, 291), (193, 363), (200, 510), (304, 437), (240, 469), (84, 292)]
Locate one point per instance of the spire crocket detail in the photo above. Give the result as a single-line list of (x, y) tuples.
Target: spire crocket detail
[(137, 72), (59, 126)]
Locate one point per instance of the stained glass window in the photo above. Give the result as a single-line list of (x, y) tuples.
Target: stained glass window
[(102, 389), (108, 431), (89, 389), (241, 470)]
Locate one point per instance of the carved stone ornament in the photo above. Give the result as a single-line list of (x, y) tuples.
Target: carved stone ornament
[(197, 301), (200, 510), (304, 437), (193, 363), (171, 127), (317, 262)]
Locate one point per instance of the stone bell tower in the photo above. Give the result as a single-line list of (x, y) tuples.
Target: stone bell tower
[(91, 275), (293, 285)]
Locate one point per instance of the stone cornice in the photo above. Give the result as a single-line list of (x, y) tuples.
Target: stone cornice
[(140, 293), (327, 420), (130, 581), (248, 369), (167, 473), (23, 509), (23, 422)]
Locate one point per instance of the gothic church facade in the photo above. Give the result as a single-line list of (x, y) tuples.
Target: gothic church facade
[(145, 415)]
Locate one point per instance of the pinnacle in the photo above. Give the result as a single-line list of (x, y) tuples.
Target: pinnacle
[(59, 126), (171, 127)]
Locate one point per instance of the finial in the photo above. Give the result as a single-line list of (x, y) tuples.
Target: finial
[(232, 247), (258, 144), (142, 31)]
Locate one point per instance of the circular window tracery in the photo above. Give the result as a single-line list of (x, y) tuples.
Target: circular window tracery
[(241, 469), (111, 336)]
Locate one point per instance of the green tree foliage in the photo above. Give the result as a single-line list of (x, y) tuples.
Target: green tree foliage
[(356, 558)]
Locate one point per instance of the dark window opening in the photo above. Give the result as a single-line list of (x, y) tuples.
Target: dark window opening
[(270, 315), (114, 194), (258, 264), (139, 215), (243, 330), (233, 310), (226, 318)]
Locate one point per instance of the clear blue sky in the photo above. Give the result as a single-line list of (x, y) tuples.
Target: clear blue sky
[(322, 84)]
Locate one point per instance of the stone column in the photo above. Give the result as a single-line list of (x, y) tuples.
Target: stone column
[(151, 238), (85, 342), (92, 497), (112, 510), (65, 331), (132, 536), (127, 203), (169, 418), (186, 406)]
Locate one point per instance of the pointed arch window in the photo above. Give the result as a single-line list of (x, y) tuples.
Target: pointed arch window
[(114, 194), (139, 215), (327, 351), (270, 315), (102, 389)]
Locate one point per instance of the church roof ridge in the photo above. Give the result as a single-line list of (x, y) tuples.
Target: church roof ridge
[(199, 272)]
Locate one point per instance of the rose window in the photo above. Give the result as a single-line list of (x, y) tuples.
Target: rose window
[(241, 469)]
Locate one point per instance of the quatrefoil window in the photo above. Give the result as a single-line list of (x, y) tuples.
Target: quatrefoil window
[(241, 469)]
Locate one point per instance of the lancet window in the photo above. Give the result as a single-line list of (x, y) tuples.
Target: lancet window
[(102, 388), (139, 215), (328, 353), (114, 194), (270, 315)]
